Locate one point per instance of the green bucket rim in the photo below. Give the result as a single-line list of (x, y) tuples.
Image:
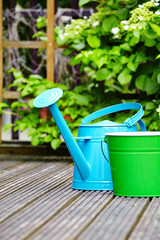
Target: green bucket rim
[(133, 134)]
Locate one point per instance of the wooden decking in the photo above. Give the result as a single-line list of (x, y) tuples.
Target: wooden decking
[(38, 202)]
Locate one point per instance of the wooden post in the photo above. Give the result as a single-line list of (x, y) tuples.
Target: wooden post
[(1, 62), (50, 42), (34, 55)]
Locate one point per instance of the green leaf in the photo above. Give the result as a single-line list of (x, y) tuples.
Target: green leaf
[(4, 105), (48, 138), (83, 2), (123, 60), (8, 126), (140, 57), (79, 89), (126, 47), (158, 56), (158, 78), (133, 41), (109, 23), (35, 140), (23, 126), (142, 81), (149, 106), (149, 42), (81, 100), (78, 46), (132, 66), (117, 67), (152, 86), (158, 47), (115, 50), (156, 28), (31, 131), (41, 22), (67, 51), (56, 143), (124, 77), (149, 33), (102, 74), (35, 76), (93, 41), (136, 33)]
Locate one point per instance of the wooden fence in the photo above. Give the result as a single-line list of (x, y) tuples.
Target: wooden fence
[(50, 45)]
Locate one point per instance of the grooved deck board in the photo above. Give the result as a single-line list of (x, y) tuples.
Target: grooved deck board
[(7, 164), (38, 203), (118, 218), (17, 200), (72, 220), (20, 181), (149, 226), (39, 212)]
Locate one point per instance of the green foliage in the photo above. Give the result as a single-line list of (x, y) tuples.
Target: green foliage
[(118, 49), (120, 46), (74, 105)]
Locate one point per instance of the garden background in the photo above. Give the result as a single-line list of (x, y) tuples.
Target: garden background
[(108, 53)]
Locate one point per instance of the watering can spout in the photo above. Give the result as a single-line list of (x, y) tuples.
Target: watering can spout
[(49, 99)]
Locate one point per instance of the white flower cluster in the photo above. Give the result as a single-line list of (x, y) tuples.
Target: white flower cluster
[(156, 2), (115, 30)]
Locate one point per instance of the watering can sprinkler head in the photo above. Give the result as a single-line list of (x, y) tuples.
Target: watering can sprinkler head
[(49, 99)]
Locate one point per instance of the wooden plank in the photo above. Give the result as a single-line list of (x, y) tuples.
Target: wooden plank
[(1, 61), (33, 190), (20, 181), (117, 219), (24, 44), (28, 44), (73, 219), (7, 164), (10, 94), (50, 41), (36, 214), (149, 225), (17, 170)]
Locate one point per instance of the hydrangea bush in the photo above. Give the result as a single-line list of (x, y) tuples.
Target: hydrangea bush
[(118, 48)]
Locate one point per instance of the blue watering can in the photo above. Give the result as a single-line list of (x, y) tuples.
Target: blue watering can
[(91, 170)]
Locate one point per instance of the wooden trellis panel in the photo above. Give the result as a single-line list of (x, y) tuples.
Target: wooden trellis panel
[(50, 45)]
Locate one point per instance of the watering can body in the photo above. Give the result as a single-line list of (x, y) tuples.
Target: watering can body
[(91, 169), (90, 141)]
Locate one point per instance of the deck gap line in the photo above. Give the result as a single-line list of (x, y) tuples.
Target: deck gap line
[(33, 200), (139, 216), (56, 213)]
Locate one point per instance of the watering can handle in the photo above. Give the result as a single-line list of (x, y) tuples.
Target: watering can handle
[(117, 108)]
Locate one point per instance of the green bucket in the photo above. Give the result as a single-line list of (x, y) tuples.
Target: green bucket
[(135, 163)]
